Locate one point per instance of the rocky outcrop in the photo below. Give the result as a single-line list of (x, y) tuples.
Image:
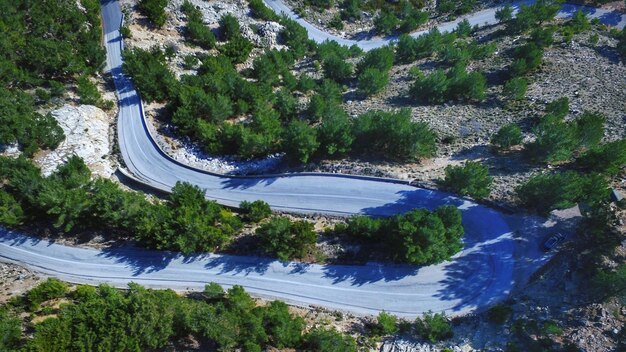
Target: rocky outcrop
[(86, 131)]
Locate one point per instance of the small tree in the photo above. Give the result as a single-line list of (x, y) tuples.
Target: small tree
[(433, 327), (154, 10), (213, 291), (504, 14), (386, 324), (470, 179), (255, 211), (507, 136), (372, 81), (229, 27), (589, 129), (49, 289), (237, 49), (515, 88), (286, 239), (386, 22), (300, 141), (607, 159)]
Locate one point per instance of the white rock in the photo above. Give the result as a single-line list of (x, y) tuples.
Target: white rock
[(86, 131)]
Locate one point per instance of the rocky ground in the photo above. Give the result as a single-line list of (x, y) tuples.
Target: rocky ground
[(87, 134), (15, 280)]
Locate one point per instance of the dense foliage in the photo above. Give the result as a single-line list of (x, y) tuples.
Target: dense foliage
[(287, 239), (154, 10), (186, 222), (417, 237), (470, 179), (507, 136), (107, 319), (433, 327), (455, 84), (562, 190)]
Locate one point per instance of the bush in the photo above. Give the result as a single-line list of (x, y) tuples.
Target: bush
[(229, 27), (607, 159), (386, 22), (533, 16), (334, 134), (380, 59), (555, 140), (386, 324), (336, 68), (154, 10), (47, 290), (150, 73), (470, 179), (457, 83), (237, 49), (300, 141), (255, 211), (515, 88), (329, 340), (508, 136), (88, 92), (11, 213), (363, 227), (286, 239), (589, 129), (504, 14), (372, 81), (393, 135), (433, 327), (260, 11), (10, 330), (579, 22), (527, 58), (463, 29), (562, 190), (499, 313)]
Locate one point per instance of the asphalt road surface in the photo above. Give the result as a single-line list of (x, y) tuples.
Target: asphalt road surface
[(484, 17), (483, 273)]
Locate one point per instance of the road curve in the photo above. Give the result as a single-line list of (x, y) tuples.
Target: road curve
[(485, 17), (475, 278)]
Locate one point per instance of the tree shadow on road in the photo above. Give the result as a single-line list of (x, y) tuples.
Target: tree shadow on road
[(141, 261)]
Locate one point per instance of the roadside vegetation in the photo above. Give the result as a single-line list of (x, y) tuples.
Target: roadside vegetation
[(47, 48), (104, 318)]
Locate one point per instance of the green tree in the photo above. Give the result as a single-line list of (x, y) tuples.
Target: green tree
[(10, 330), (154, 10), (508, 136), (579, 22), (470, 179), (386, 22), (11, 213), (555, 140), (607, 159), (229, 27), (47, 290), (213, 291), (589, 129), (237, 49), (336, 68), (150, 73), (286, 239), (393, 135), (283, 329), (334, 133), (504, 14), (88, 92), (255, 211), (386, 324), (515, 88), (433, 327), (300, 141), (372, 81), (329, 340)]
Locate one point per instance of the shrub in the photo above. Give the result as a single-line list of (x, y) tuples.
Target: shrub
[(463, 29), (380, 59), (199, 34), (335, 133), (433, 327), (286, 239), (457, 83), (300, 141), (579, 22), (213, 291), (328, 340), (154, 10), (470, 179), (386, 324), (393, 135), (10, 330), (237, 49), (607, 159), (336, 68), (255, 211), (229, 27), (589, 129), (386, 22), (88, 92), (260, 11), (561, 190), (372, 81), (508, 136), (499, 313), (555, 140), (515, 88), (11, 213), (364, 227), (47, 290), (527, 58), (504, 14), (150, 73)]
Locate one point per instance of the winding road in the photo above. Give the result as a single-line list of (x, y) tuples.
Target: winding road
[(483, 273)]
